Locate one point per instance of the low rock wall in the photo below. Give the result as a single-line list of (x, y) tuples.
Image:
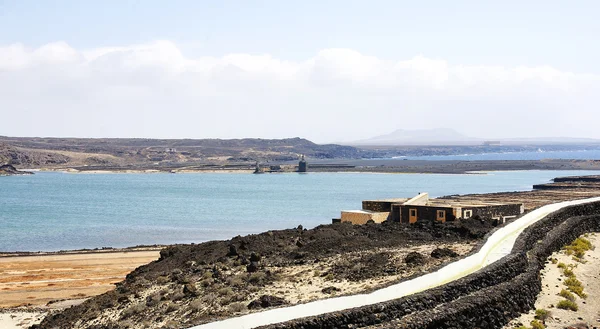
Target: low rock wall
[(489, 298)]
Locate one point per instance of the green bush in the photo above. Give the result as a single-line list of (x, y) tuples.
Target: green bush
[(542, 314), (566, 304), (535, 324), (575, 286), (568, 272), (579, 247), (567, 295), (562, 265)]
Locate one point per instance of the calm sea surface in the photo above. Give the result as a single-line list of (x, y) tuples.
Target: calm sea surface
[(540, 155), (55, 211)]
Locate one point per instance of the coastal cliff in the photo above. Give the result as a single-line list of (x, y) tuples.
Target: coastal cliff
[(8, 170)]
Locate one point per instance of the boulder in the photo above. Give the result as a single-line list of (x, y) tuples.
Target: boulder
[(266, 301)]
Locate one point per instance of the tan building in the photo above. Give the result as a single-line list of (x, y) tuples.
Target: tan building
[(360, 217)]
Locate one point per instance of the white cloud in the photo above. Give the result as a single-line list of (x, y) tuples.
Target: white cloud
[(155, 90)]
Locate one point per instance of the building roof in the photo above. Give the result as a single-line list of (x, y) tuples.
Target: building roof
[(393, 200)]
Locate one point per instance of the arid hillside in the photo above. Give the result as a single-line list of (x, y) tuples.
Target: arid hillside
[(146, 153)]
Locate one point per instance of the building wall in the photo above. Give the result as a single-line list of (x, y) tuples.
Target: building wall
[(395, 214), (380, 206), (425, 213), (497, 211), (402, 212), (360, 218)]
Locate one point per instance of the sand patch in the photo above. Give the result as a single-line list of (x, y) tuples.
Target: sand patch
[(37, 280), (553, 282)]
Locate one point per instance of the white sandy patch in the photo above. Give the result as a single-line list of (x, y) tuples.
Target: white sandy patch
[(20, 320), (552, 283)]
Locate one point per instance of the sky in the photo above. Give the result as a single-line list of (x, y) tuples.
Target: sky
[(329, 71)]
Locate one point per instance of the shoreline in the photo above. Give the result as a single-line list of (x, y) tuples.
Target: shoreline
[(294, 270), (387, 166), (107, 250)]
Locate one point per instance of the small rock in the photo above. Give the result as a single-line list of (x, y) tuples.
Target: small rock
[(266, 301), (254, 257), (190, 290), (232, 251), (443, 252), (253, 267), (330, 290), (415, 258)]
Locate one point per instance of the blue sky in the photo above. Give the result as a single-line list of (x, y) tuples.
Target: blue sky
[(558, 33), (561, 35)]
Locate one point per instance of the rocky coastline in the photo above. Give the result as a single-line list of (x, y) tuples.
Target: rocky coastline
[(9, 170)]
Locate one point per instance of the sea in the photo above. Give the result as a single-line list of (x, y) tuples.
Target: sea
[(540, 154), (52, 211)]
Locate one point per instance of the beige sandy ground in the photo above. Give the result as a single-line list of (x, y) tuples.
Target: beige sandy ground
[(552, 278), (302, 283), (33, 281)]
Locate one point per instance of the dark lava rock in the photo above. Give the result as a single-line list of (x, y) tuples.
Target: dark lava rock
[(232, 251), (254, 257), (414, 258), (443, 252), (243, 260), (190, 290), (266, 301), (330, 290), (253, 267)]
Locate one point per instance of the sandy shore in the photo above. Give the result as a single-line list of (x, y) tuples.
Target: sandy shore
[(37, 280), (552, 283)]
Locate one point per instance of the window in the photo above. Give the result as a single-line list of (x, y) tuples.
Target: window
[(467, 213), (441, 214), (413, 212)]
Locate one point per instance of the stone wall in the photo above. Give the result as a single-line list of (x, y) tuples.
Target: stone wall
[(489, 298), (380, 206)]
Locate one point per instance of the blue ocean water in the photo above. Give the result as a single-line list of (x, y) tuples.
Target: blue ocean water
[(58, 211), (539, 155)]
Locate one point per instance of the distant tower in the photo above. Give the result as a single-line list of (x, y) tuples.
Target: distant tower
[(257, 169), (302, 165)]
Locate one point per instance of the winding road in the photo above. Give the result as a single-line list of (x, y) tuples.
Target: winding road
[(498, 245)]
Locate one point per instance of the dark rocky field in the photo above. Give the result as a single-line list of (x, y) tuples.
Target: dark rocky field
[(192, 284)]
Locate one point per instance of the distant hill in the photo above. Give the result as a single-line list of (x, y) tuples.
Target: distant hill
[(440, 136), (35, 152)]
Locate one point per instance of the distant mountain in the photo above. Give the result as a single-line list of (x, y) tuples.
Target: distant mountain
[(440, 136)]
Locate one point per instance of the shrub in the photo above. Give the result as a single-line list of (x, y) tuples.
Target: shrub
[(235, 281), (562, 265), (579, 247), (225, 291), (554, 260), (575, 286), (135, 309), (172, 307), (542, 315), (257, 278), (178, 296), (567, 305), (567, 295), (197, 305), (568, 272), (535, 324), (237, 307)]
